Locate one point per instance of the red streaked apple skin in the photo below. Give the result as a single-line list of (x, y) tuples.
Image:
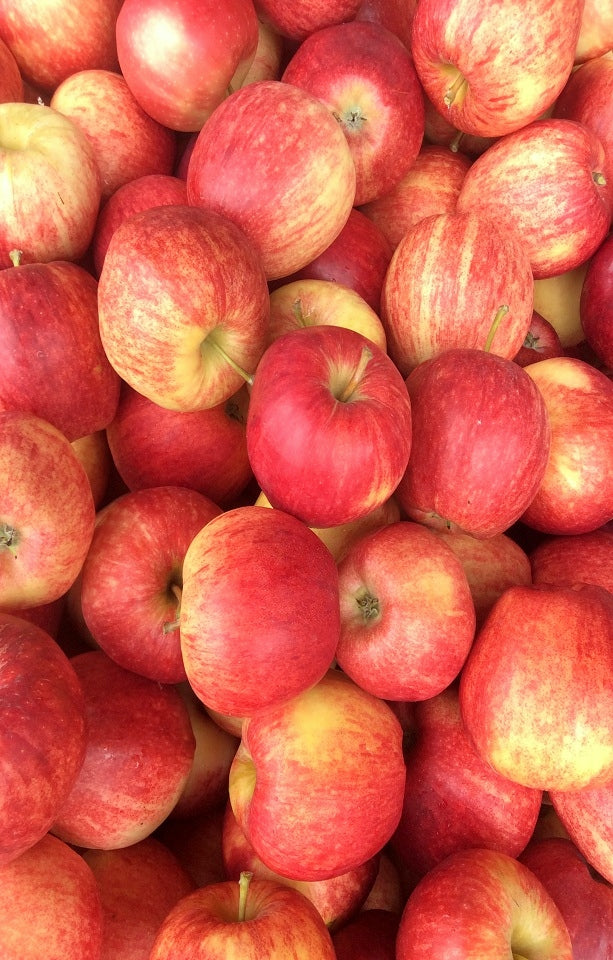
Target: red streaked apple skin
[(259, 619), (588, 99), (581, 558), (479, 904), (587, 816), (301, 18), (596, 302), (297, 415), (11, 82), (317, 782), (544, 644), (250, 163)]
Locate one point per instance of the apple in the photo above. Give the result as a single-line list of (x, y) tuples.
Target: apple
[(43, 735), (453, 799), (179, 59), (544, 644), (182, 300), (337, 899), (596, 32), (250, 164), (431, 186), (50, 905), (131, 578), (303, 17), (403, 638), (369, 936), (138, 886), (387, 891), (596, 300), (481, 904), (267, 63), (456, 280), (491, 72), (47, 616), (150, 190), (196, 842), (52, 185), (575, 494), (587, 816), (365, 76), (128, 143), (546, 182), (588, 98), (47, 519), (320, 389), (584, 901), (55, 364), (541, 341), (480, 443), (259, 618), (357, 258), (11, 81), (581, 558), (138, 755), (250, 919), (307, 303), (317, 782), (92, 452), (54, 39), (396, 15), (556, 299)]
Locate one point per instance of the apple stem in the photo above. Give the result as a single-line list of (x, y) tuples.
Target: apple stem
[(454, 146), (500, 313), (174, 624), (455, 89), (357, 375), (243, 890), (299, 313), (15, 257), (247, 377)]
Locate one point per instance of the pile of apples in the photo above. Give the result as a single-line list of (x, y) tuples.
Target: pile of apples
[(306, 424)]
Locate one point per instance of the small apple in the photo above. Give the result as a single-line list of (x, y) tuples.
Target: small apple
[(541, 342)]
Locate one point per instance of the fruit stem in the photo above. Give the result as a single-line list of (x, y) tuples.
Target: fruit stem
[(247, 377), (299, 313), (500, 313), (15, 257), (356, 376), (174, 624), (456, 87), (243, 890), (454, 145)]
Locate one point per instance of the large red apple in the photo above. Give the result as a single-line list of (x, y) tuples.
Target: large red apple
[(273, 159), (596, 302), (587, 817)]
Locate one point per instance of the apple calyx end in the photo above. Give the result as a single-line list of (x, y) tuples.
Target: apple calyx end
[(243, 889), (8, 538), (350, 387), (369, 607)]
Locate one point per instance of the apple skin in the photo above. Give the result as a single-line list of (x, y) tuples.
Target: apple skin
[(502, 90), (267, 63), (453, 799), (576, 491), (294, 212), (480, 443), (52, 40), (544, 644), (546, 182), (317, 782), (259, 618), (92, 452), (322, 389), (588, 98), (55, 364), (596, 302), (585, 902), (179, 59), (11, 82), (128, 143), (449, 278), (47, 520), (304, 17), (581, 558), (138, 756), (280, 924), (337, 899), (396, 15), (43, 733), (178, 285), (541, 342), (138, 885), (481, 904), (49, 170), (400, 638), (369, 936), (587, 816), (596, 33), (365, 76), (131, 578)]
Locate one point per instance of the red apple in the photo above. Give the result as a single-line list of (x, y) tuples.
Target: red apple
[(596, 32), (387, 891), (456, 280), (369, 936), (575, 494), (180, 59), (47, 518), (481, 904), (267, 63), (403, 638), (196, 842), (365, 76), (396, 15), (546, 182), (329, 425), (128, 143), (303, 17), (541, 342), (259, 619), (138, 756), (92, 451), (49, 212), (131, 578), (544, 645), (438, 130), (588, 98), (42, 733), (317, 782), (557, 298), (251, 920), (492, 71), (596, 302), (181, 291), (11, 82), (587, 816), (292, 214), (581, 558), (480, 443)]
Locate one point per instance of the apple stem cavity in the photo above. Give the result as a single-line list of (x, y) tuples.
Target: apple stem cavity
[(243, 889), (456, 90), (350, 387), (171, 625), (15, 257), (247, 377), (500, 313)]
